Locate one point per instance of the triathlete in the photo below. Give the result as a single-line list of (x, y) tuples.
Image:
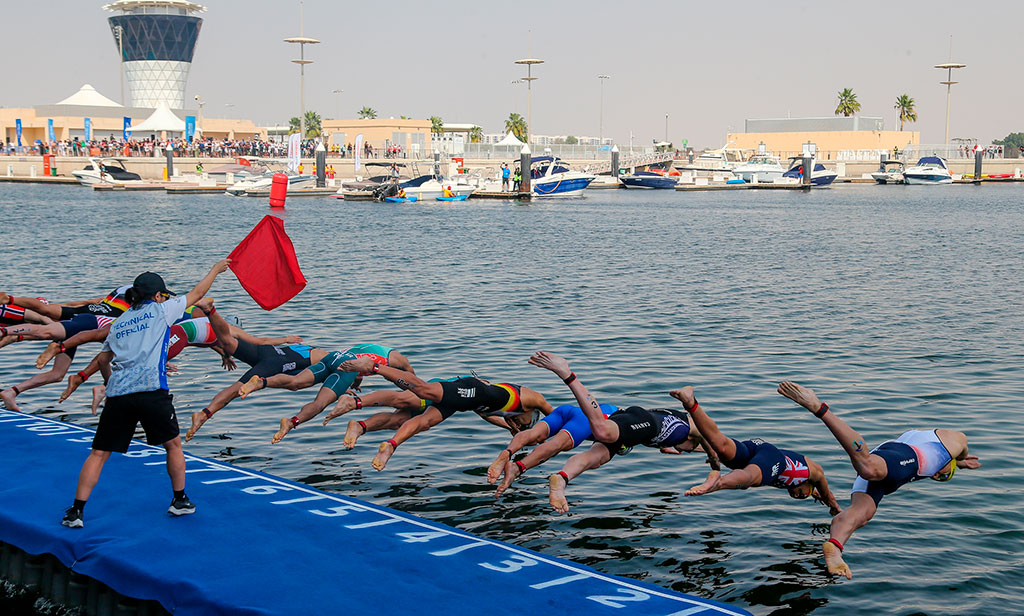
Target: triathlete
[(334, 382), (54, 375), (665, 429), (265, 360), (72, 320), (914, 455), (14, 314), (497, 403)]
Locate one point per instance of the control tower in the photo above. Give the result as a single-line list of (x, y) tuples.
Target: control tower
[(156, 40)]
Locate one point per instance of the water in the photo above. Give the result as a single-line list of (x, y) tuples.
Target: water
[(899, 305)]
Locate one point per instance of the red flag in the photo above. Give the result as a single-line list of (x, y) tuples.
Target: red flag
[(266, 265)]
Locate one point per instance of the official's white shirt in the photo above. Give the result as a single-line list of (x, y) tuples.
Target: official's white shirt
[(139, 339)]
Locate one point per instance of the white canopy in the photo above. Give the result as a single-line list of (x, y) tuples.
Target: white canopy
[(161, 120), (88, 96), (509, 139)]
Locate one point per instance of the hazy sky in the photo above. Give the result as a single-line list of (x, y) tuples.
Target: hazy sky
[(709, 64)]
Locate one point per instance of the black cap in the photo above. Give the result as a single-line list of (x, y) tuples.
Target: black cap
[(149, 284)]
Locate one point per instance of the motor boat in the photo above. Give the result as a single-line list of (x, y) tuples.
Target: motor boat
[(928, 170), (433, 187), (649, 179), (550, 176), (765, 166), (105, 171), (820, 177), (891, 172), (265, 180)]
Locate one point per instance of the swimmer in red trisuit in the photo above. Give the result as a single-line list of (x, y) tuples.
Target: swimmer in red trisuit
[(914, 455), (497, 403)]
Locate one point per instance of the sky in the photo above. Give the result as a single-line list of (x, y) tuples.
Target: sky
[(708, 65)]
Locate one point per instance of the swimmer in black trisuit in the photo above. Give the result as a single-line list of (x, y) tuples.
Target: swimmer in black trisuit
[(914, 455), (69, 319), (497, 403), (334, 383), (265, 360), (665, 429)]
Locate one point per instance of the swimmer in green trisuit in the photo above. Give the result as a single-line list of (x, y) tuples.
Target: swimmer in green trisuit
[(914, 455)]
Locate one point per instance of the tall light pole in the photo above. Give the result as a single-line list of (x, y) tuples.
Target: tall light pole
[(529, 79), (200, 102), (666, 127), (949, 83), (302, 62), (600, 140), (515, 95), (337, 104), (119, 33)]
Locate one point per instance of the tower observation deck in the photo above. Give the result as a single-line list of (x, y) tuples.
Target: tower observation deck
[(156, 39)]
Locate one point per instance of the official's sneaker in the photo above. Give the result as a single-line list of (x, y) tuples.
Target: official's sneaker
[(72, 518), (181, 506)]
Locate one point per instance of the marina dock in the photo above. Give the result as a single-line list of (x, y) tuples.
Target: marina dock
[(260, 544)]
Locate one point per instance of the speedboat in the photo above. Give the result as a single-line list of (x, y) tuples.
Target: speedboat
[(433, 187), (649, 179), (820, 177), (264, 181), (551, 177), (890, 173), (105, 171), (765, 166), (928, 170)]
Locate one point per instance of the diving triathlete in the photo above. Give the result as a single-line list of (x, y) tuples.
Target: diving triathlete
[(334, 382), (497, 403), (914, 455), (73, 320), (667, 430)]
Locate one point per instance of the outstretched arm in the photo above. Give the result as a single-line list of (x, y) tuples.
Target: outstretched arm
[(604, 431), (824, 496), (204, 285)]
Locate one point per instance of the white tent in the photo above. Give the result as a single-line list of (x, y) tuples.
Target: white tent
[(509, 139), (161, 120), (88, 96)]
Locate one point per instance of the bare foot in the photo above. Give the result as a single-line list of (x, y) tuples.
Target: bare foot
[(496, 467), (352, 433), (834, 558), (198, 419), (51, 351), (73, 382), (345, 404), (98, 393), (701, 489), (359, 364), (8, 396), (549, 361), (286, 427), (511, 474), (556, 493), (384, 453), (7, 340), (801, 395), (255, 383), (684, 395), (171, 369)]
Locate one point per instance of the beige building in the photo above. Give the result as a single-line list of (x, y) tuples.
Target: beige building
[(106, 118), (412, 135), (838, 138)]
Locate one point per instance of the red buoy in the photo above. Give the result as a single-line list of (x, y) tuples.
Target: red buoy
[(278, 190)]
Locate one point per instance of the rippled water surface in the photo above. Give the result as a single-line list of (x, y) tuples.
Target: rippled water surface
[(899, 305)]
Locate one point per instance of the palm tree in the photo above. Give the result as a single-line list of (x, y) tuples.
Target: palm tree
[(293, 124), (312, 124), (848, 104), (476, 134), (905, 105), (516, 124), (436, 125), (367, 113)]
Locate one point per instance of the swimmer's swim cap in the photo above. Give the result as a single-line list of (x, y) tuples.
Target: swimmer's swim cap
[(947, 476)]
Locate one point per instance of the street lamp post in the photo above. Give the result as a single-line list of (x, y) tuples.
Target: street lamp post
[(529, 79), (666, 128), (949, 83), (302, 41), (515, 95), (600, 140), (200, 102), (337, 104), (119, 33)]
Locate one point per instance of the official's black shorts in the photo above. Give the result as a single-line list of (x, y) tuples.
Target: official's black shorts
[(122, 414)]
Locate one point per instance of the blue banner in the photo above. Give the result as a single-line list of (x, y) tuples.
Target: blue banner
[(190, 128), (17, 129), (88, 129), (49, 131), (127, 132)]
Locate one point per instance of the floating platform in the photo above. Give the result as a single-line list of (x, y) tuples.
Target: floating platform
[(297, 192), (196, 190), (141, 187), (766, 186), (509, 195), (39, 179), (259, 544)]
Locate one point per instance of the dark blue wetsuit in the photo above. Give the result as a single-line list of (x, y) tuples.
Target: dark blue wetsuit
[(780, 468), (916, 454), (649, 427)]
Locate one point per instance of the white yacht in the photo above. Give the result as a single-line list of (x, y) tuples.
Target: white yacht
[(765, 166), (820, 176), (263, 182), (551, 177), (928, 170), (105, 171), (890, 173), (434, 187)]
